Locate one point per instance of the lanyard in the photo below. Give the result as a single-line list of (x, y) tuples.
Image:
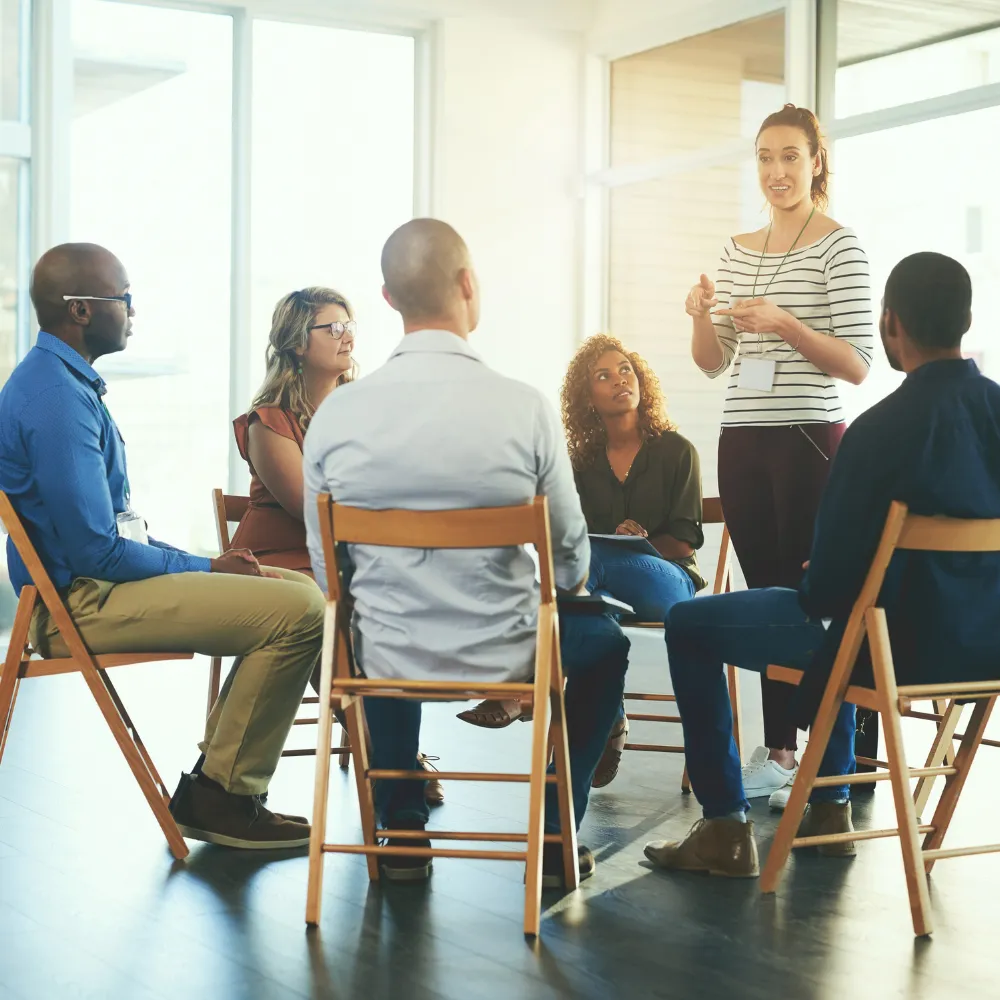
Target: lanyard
[(128, 489), (767, 239)]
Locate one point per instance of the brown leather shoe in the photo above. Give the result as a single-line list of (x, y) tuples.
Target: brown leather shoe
[(717, 846), (611, 759), (206, 811), (822, 818), (433, 790)]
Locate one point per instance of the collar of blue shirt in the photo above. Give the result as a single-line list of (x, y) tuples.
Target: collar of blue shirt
[(62, 350), (435, 342)]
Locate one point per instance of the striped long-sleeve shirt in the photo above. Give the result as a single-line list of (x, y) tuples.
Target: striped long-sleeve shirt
[(827, 286)]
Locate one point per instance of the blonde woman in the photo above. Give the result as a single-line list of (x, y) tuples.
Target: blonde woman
[(308, 356)]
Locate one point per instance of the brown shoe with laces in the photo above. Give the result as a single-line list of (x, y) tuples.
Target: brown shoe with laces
[(204, 810), (822, 818), (433, 790), (718, 846)]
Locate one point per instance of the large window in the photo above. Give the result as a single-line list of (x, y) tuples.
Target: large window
[(906, 184), (150, 180), (683, 179), (892, 52), (332, 171)]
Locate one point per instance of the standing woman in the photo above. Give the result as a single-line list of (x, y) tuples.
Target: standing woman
[(794, 317)]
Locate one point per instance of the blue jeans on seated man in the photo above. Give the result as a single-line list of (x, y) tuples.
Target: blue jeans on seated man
[(594, 658), (751, 628)]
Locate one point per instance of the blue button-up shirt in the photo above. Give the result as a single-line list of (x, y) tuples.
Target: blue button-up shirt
[(933, 444), (435, 429), (62, 464)]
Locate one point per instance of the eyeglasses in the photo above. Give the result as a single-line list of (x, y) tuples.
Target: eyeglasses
[(126, 298), (337, 330)]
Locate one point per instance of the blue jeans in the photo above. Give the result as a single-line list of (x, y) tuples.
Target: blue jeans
[(651, 585), (751, 628), (594, 658)]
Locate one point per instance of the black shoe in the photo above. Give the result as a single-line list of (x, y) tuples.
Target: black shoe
[(404, 867), (552, 865), (204, 810)]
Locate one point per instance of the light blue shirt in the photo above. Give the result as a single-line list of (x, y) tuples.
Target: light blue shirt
[(435, 429)]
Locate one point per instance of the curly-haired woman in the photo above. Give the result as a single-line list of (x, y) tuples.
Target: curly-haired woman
[(636, 476)]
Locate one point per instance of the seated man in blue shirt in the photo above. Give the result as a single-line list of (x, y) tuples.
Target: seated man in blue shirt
[(435, 429), (62, 464), (933, 444)]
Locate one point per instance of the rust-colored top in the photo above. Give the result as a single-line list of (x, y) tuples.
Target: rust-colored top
[(267, 529)]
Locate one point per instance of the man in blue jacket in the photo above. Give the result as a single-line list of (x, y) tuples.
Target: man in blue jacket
[(933, 444), (62, 464)]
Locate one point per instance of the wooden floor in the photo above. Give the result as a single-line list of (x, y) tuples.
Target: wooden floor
[(91, 905)]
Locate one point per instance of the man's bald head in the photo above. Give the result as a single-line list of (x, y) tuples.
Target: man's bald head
[(89, 325), (427, 272), (73, 269)]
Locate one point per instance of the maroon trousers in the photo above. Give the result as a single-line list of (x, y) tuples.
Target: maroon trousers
[(770, 483)]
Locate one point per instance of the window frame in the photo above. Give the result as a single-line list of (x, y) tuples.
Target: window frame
[(52, 106)]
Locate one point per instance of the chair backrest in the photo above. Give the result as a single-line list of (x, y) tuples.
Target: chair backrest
[(475, 528), (913, 532), (19, 536), (228, 509), (41, 585), (711, 513)]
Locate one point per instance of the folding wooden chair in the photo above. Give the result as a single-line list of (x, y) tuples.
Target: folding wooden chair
[(902, 531), (450, 529), (20, 665), (711, 514), (229, 509)]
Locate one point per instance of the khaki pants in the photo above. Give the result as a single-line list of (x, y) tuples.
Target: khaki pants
[(273, 627)]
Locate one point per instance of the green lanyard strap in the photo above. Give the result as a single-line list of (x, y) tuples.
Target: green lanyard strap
[(767, 239)]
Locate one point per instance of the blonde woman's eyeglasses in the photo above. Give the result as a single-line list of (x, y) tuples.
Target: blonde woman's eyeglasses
[(337, 330)]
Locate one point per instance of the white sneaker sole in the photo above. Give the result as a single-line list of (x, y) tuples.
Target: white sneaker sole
[(193, 833)]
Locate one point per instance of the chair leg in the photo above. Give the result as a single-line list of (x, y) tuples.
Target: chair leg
[(685, 782), (151, 788), (366, 800), (9, 679), (214, 683), (942, 750), (547, 627), (321, 793), (345, 744), (557, 752), (954, 783), (781, 846), (895, 751), (733, 678)]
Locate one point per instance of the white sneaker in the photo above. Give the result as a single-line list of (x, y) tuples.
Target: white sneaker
[(779, 799), (762, 776)]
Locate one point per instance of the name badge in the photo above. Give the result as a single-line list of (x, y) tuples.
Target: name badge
[(132, 526), (756, 374)]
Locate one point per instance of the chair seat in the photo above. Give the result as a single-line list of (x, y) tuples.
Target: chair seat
[(69, 665)]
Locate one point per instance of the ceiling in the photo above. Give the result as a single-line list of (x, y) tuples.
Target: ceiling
[(869, 28)]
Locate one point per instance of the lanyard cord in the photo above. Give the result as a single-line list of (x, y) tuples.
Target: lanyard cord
[(767, 239), (128, 488)]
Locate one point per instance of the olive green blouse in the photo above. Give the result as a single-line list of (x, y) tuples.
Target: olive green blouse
[(662, 492)]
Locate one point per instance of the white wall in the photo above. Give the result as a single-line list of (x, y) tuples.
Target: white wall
[(507, 164)]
